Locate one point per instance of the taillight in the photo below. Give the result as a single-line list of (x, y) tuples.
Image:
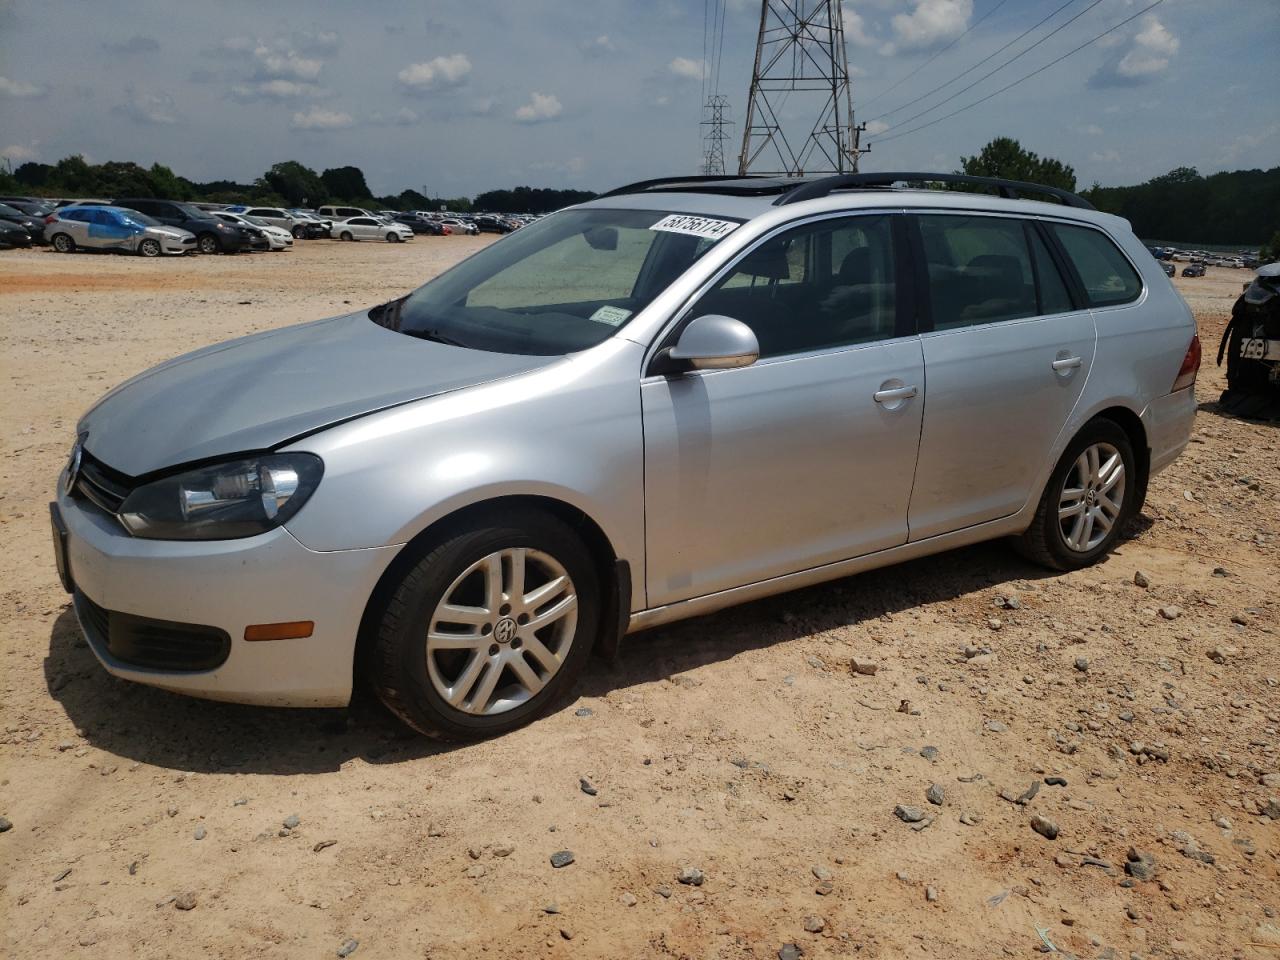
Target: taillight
[(51, 218), (1190, 366)]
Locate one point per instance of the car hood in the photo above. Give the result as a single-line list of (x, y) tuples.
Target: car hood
[(176, 233), (260, 391)]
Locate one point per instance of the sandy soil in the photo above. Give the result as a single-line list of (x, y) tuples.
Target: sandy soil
[(739, 744)]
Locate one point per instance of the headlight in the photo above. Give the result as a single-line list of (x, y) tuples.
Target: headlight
[(225, 501)]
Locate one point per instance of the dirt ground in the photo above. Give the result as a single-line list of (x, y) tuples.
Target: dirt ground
[(739, 744)]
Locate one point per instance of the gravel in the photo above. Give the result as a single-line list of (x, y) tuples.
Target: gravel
[(292, 821), (1045, 827), (691, 876), (908, 814), (561, 858)]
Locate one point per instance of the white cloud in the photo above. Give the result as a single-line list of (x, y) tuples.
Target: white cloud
[(405, 117), (688, 69), (441, 72), (1104, 156), (598, 46), (541, 106), (318, 118), (931, 23), (20, 89), (1152, 48), (135, 44), (285, 65), (1142, 60), (1088, 130), (18, 153), (275, 90), (148, 108), (876, 127), (855, 29)]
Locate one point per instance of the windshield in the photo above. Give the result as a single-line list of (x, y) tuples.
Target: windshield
[(560, 285), (141, 218)]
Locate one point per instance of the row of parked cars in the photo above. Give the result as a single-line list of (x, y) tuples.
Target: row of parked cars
[(152, 228)]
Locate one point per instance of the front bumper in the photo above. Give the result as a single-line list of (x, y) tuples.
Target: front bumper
[(1168, 421), (227, 585), (177, 244)]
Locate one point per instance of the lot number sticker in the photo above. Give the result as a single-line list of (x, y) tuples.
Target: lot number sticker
[(696, 226), (613, 316)]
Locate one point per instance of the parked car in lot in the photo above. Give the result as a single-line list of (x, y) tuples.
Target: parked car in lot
[(114, 228), (1168, 268), (1193, 270), (679, 396), (422, 224), (461, 226), (12, 235), (492, 224), (33, 225), (295, 225), (212, 235), (370, 228), (31, 206), (344, 213), (277, 238)]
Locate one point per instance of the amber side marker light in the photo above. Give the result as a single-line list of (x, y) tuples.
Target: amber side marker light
[(294, 630)]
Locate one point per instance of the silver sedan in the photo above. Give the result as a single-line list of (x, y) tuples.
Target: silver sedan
[(115, 228)]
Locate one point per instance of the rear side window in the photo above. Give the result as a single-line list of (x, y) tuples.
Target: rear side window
[(1054, 297), (1107, 276), (979, 270)]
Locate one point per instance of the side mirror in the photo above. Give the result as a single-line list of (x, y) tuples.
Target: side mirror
[(714, 342)]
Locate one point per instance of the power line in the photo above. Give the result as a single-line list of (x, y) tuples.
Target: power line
[(1124, 22), (990, 73), (904, 79), (970, 70)]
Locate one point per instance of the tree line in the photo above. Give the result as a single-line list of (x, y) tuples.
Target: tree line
[(1235, 207), (287, 184)]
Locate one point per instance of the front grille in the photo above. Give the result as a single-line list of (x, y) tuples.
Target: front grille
[(153, 644), (101, 485), (189, 241)]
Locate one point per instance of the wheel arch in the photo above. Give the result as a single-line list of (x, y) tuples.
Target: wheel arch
[(1132, 425), (615, 574)]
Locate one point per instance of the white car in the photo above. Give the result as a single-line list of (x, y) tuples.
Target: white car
[(370, 228), (278, 237), (461, 226), (291, 222)]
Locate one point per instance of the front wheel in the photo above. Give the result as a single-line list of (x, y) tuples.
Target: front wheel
[(149, 248), (487, 630), (346, 235), (393, 238), (63, 243), (207, 243), (1089, 498), (299, 233)]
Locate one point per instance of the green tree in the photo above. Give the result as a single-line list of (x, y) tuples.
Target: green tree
[(1270, 251), (299, 185), (1006, 158), (74, 177), (346, 183), (168, 184), (33, 174)]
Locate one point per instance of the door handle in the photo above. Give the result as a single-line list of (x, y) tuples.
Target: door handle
[(1066, 363), (894, 393)]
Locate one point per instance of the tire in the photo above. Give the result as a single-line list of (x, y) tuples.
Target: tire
[(346, 235), (63, 243), (393, 238), (1045, 541), (207, 243), (149, 248), (299, 233), (420, 657)]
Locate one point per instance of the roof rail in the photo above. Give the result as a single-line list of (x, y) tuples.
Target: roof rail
[(1011, 189), (686, 181)]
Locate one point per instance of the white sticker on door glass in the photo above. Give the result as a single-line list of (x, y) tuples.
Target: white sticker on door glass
[(695, 226)]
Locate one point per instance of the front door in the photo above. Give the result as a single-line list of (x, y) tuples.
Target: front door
[(1006, 362), (806, 457)]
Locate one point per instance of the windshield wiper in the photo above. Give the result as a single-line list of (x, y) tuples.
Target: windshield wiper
[(435, 335)]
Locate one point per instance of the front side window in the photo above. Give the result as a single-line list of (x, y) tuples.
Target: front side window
[(824, 284), (979, 270), (560, 285), (1107, 276)]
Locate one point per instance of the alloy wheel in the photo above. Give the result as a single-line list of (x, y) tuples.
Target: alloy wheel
[(1092, 497), (501, 631)]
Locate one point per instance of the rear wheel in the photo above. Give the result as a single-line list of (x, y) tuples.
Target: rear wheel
[(1089, 497), (346, 235), (299, 232), (488, 629), (63, 243), (149, 248), (207, 243)]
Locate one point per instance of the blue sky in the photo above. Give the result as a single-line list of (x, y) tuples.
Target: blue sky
[(457, 96)]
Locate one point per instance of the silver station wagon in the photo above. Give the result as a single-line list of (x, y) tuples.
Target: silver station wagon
[(679, 396)]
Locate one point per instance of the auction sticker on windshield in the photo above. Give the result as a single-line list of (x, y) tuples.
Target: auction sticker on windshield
[(695, 226)]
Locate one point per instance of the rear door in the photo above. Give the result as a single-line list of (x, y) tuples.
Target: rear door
[(1007, 350), (805, 457), (107, 230)]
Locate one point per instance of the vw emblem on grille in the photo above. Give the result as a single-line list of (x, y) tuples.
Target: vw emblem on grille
[(73, 464), (505, 631)]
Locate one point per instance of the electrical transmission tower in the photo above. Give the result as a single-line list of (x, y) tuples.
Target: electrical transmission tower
[(800, 50), (714, 138)]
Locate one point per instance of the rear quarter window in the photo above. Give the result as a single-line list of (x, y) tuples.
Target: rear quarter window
[(1106, 273)]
